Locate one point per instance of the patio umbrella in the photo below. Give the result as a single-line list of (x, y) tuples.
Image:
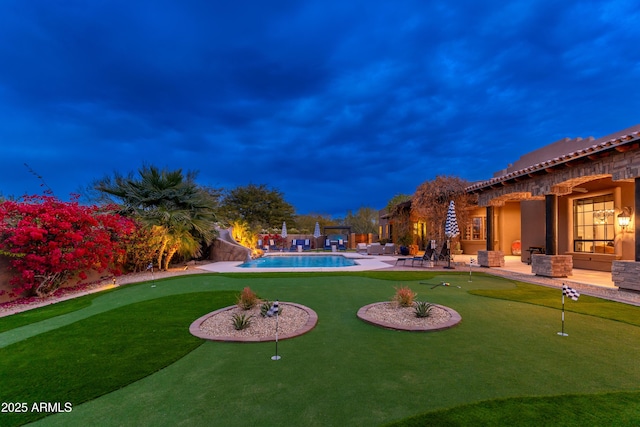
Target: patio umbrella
[(316, 233), (284, 233), (451, 229)]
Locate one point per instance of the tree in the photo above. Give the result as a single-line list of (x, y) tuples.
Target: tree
[(399, 212), (179, 212), (307, 223), (49, 242), (431, 202), (364, 221), (257, 206)]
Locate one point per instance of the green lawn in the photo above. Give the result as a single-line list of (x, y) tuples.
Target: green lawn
[(126, 357)]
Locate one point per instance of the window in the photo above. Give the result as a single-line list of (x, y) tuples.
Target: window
[(477, 229), (593, 224)]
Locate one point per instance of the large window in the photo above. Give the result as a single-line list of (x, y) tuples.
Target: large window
[(477, 229), (593, 224)]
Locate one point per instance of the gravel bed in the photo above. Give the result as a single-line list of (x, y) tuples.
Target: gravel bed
[(220, 324), (393, 314)]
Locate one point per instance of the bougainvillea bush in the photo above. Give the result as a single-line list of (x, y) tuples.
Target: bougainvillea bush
[(49, 242)]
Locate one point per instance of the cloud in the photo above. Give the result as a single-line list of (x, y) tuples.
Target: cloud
[(335, 104)]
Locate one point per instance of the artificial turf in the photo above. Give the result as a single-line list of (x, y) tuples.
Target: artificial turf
[(344, 372)]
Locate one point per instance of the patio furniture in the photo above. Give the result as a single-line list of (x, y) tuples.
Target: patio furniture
[(389, 249), (534, 250), (342, 246), (272, 245), (375, 249), (303, 244), (361, 248)]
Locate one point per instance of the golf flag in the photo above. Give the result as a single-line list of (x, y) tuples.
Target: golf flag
[(273, 310), (570, 292)]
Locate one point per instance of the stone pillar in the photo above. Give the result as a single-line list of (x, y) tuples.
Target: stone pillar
[(491, 258), (551, 220), (552, 265), (626, 275)]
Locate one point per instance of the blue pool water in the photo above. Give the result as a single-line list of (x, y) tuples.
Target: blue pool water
[(298, 261)]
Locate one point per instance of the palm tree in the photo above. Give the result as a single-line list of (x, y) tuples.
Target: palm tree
[(181, 213)]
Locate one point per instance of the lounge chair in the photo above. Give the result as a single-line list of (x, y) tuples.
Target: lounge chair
[(342, 246), (389, 249), (272, 245), (427, 256), (375, 249), (305, 243)]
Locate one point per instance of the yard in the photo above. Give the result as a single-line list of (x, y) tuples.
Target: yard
[(125, 357)]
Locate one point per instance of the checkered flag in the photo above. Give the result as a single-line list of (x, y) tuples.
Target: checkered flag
[(273, 310), (570, 292)]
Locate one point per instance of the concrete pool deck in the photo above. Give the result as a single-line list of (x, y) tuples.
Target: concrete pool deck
[(588, 282)]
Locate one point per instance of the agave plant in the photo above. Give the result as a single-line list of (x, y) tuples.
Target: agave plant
[(422, 309), (241, 321)]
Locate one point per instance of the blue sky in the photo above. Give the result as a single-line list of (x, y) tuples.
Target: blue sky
[(337, 104)]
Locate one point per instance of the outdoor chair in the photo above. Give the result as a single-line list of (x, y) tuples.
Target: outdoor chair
[(375, 249), (342, 246), (272, 245), (361, 248), (444, 252), (389, 249)]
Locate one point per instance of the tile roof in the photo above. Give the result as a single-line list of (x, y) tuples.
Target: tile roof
[(601, 145)]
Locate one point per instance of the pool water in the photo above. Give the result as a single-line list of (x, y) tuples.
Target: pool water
[(299, 261)]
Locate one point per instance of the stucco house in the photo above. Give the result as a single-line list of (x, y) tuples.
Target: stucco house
[(572, 203)]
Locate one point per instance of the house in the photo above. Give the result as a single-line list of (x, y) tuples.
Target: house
[(572, 203)]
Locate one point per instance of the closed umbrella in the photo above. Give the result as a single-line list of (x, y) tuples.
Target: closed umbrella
[(451, 229), (316, 233), (284, 233)]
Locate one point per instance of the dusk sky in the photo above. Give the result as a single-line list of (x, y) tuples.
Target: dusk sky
[(337, 104)]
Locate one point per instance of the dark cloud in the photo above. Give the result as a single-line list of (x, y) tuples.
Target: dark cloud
[(336, 104)]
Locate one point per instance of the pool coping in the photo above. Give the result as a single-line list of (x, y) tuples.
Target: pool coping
[(365, 263)]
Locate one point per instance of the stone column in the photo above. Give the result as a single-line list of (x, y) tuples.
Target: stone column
[(551, 264), (490, 257), (626, 274)]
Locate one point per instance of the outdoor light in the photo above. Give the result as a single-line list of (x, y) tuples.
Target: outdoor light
[(624, 217)]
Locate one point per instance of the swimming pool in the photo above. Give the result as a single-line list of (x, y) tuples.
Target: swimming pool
[(299, 261)]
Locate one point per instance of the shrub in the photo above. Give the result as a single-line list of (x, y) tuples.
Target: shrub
[(247, 299), (404, 296), (241, 321), (423, 309)]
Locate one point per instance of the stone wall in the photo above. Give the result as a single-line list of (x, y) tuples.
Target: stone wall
[(222, 250), (626, 275), (491, 258), (552, 265)]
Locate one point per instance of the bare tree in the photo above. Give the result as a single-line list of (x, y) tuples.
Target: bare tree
[(431, 202)]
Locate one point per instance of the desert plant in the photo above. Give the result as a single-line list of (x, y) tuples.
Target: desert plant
[(247, 299), (241, 321), (423, 309), (404, 296), (266, 306)]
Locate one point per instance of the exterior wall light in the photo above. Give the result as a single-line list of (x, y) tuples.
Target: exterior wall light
[(624, 218)]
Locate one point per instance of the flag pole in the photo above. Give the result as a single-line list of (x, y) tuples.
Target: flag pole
[(275, 309), (562, 334)]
